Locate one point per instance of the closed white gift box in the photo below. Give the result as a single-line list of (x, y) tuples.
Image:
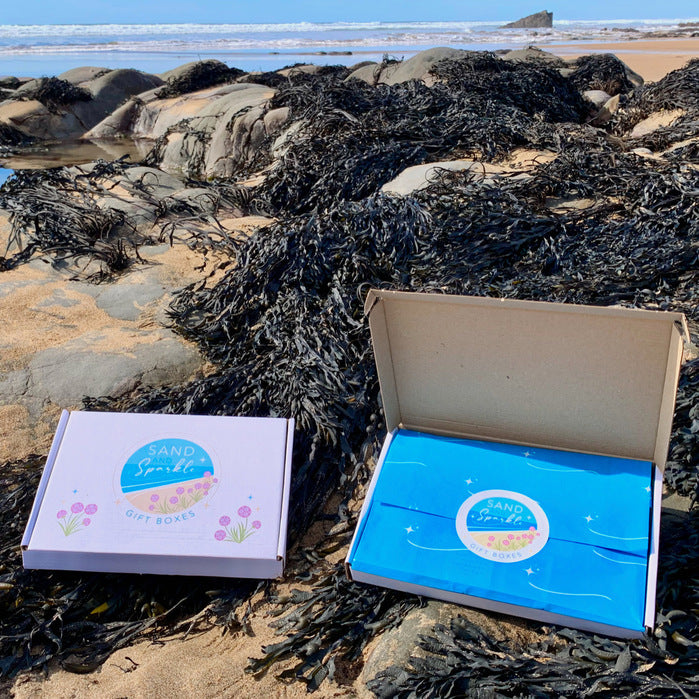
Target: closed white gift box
[(167, 494)]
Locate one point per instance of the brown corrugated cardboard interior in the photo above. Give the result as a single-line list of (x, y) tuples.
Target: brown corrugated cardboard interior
[(567, 377)]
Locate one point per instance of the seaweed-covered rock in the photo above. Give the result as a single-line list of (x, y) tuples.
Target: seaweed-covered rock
[(533, 54), (53, 93), (10, 82), (418, 67), (83, 74), (196, 76), (51, 108), (12, 136), (604, 72)]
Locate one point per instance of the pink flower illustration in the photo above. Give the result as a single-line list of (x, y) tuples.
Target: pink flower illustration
[(505, 542), (256, 524), (179, 491), (510, 536), (491, 538), (61, 514), (207, 474), (155, 497), (76, 507), (197, 486), (151, 507), (207, 486), (220, 535), (224, 521), (86, 522), (90, 509), (215, 480), (532, 529), (190, 490), (244, 511), (174, 499), (489, 545)]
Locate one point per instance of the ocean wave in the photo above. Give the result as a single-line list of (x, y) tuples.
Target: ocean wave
[(322, 41), (222, 38)]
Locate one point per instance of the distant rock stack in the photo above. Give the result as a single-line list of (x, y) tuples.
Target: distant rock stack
[(536, 21)]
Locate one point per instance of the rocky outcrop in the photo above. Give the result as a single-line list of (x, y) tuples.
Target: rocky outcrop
[(532, 54), (102, 93), (416, 68), (65, 338), (204, 133), (539, 20)]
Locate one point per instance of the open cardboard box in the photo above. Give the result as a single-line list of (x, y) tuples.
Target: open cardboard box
[(170, 494), (523, 466)]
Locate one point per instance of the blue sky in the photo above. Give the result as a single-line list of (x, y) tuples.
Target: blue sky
[(157, 11)]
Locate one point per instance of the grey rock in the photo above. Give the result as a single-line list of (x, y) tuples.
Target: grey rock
[(126, 301), (309, 69), (396, 647), (136, 212), (72, 121), (183, 70), (419, 177), (152, 181), (9, 82), (275, 119), (13, 385), (608, 109), (416, 68), (368, 72), (199, 198), (612, 105), (119, 122), (83, 74), (532, 54), (539, 20), (64, 376), (109, 91), (598, 97), (59, 298)]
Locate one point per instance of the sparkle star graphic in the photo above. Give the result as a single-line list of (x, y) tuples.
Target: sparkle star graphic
[(588, 518), (410, 530), (529, 571), (249, 497), (468, 481), (527, 454), (647, 489)]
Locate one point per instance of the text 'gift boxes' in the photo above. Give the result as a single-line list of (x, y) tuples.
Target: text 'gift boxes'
[(172, 494)]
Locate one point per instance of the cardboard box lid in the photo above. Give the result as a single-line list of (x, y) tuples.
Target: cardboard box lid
[(177, 494), (592, 379)]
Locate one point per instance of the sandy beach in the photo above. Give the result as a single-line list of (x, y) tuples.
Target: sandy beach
[(207, 662), (650, 58)]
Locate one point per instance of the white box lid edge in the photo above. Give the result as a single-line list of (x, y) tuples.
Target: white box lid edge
[(45, 476), (283, 520)]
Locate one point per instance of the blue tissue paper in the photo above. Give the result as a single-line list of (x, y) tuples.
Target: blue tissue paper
[(563, 532)]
